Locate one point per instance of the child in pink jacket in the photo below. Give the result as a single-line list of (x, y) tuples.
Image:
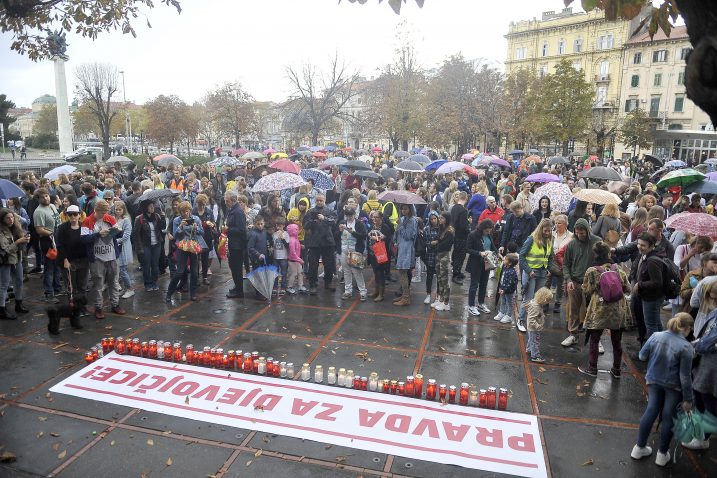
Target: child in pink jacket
[(296, 263)]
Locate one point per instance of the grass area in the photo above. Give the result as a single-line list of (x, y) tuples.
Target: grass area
[(139, 159)]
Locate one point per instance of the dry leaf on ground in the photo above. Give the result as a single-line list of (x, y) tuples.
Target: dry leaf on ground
[(169, 461), (150, 442), (256, 455), (7, 457), (589, 462), (62, 455)]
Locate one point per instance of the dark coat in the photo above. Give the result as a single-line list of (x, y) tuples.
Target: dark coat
[(320, 233), (649, 278), (474, 247), (235, 223)]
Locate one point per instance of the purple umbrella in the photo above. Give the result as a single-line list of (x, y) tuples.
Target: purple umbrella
[(712, 176), (401, 197), (542, 178), (500, 162)]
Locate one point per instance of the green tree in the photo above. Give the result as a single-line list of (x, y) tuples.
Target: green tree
[(637, 130), (5, 119), (30, 21), (46, 122), (515, 108), (561, 105)]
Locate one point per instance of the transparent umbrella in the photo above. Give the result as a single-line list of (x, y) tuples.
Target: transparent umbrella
[(262, 278)]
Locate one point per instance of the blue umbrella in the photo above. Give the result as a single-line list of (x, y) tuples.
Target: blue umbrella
[(702, 187), (262, 278), (316, 148), (303, 148), (516, 152), (331, 148), (9, 190), (435, 165), (675, 163), (401, 154), (415, 150), (321, 179)]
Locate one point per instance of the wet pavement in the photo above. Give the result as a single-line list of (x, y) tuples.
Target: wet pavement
[(588, 425)]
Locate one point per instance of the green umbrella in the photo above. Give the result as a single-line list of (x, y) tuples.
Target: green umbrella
[(680, 177)]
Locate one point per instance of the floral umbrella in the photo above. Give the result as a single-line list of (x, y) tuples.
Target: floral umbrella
[(269, 151), (277, 182), (468, 156), (542, 178), (699, 224), (558, 193), (321, 179)]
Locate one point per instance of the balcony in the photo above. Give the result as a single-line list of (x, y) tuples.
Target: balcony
[(602, 78)]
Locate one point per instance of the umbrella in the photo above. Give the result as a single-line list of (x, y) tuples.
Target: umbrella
[(54, 173), (450, 167), (269, 151), (711, 161), (9, 190), (703, 168), (253, 155), (597, 196), (303, 148), (335, 161), (421, 159), (155, 194), (365, 158), (224, 161), (316, 148), (602, 172), (693, 425), (557, 160), (354, 164), (277, 182), (389, 173), (401, 197), (376, 149), (279, 156), (676, 163), (534, 151), (575, 153), (559, 194), (535, 159), (500, 162), (165, 160), (712, 176), (259, 170), (516, 152), (472, 171), (433, 165), (367, 174), (319, 154), (321, 179), (618, 187), (304, 153), (362, 151), (697, 223), (348, 149), (654, 160), (118, 159), (702, 187), (680, 177), (401, 154), (409, 166), (286, 166), (239, 151), (468, 156), (262, 278), (331, 148), (543, 178)]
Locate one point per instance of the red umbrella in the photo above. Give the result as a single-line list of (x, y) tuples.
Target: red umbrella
[(269, 151), (376, 149), (239, 152), (700, 224), (473, 171), (286, 166), (348, 148), (319, 154)]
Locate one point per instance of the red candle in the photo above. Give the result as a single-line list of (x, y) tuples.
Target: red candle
[(483, 400), (277, 370), (394, 387), (442, 393), (105, 345), (206, 356), (95, 353), (136, 348), (364, 383), (503, 399), (167, 351), (231, 357), (89, 358), (248, 367), (357, 382), (452, 394), (144, 349), (177, 352), (431, 389), (491, 397), (410, 389), (464, 393), (152, 349), (401, 388), (190, 353), (255, 365), (418, 385), (386, 385), (112, 343), (120, 346)]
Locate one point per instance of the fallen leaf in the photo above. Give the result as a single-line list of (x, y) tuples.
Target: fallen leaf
[(443, 349), (265, 440), (589, 462), (112, 443), (362, 355), (308, 345), (169, 461), (340, 459), (544, 382), (168, 432), (150, 442), (62, 455), (55, 446), (333, 352), (186, 400), (108, 327), (541, 369), (42, 419), (40, 434), (327, 447), (60, 345), (54, 434), (248, 463), (7, 457), (293, 336), (257, 454)]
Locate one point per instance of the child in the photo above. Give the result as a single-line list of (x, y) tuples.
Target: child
[(536, 322), (296, 273), (506, 289), (280, 239), (258, 244)]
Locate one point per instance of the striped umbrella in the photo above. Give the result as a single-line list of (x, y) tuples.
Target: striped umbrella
[(680, 177)]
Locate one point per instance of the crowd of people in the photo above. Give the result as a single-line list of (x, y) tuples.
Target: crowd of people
[(609, 264)]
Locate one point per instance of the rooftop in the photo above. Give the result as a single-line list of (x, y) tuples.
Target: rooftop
[(677, 33)]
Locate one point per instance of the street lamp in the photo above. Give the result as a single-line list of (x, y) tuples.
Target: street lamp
[(126, 115)]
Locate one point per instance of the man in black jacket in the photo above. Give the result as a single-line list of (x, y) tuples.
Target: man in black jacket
[(235, 224), (461, 229), (518, 226), (649, 284), (320, 240)]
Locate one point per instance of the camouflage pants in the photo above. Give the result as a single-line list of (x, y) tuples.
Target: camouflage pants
[(443, 270)]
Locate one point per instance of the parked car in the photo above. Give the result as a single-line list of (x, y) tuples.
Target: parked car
[(89, 154)]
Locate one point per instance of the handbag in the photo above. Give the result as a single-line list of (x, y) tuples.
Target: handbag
[(189, 245), (356, 259), (490, 261), (379, 251), (52, 251)]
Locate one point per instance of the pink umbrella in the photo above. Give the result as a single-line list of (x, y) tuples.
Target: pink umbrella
[(286, 166), (468, 156), (239, 152), (712, 176), (269, 151), (376, 149), (319, 154), (699, 224)]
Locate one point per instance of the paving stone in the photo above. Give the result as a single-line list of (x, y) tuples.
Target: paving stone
[(92, 332), (382, 330), (392, 364), (198, 336), (280, 348), (187, 427), (282, 318), (472, 338), (26, 365), (247, 464), (428, 469)]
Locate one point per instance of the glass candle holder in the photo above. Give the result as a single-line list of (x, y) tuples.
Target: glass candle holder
[(247, 363), (261, 366), (318, 374), (167, 350), (112, 343), (282, 369), (120, 345), (442, 392), (206, 356), (503, 399), (306, 372), (177, 352), (153, 349), (331, 376), (144, 347), (401, 388), (231, 360), (431, 389), (464, 394), (410, 387), (483, 398), (418, 385), (136, 348), (105, 343), (290, 370), (341, 378), (270, 365), (386, 385), (473, 399), (255, 363), (95, 353), (452, 394), (349, 381), (160, 350), (89, 358), (373, 382), (357, 382), (277, 369), (394, 387), (492, 397)]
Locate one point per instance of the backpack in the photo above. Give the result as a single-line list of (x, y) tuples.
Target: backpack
[(671, 281), (420, 244), (610, 290)]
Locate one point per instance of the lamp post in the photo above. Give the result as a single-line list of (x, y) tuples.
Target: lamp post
[(634, 150), (126, 115)]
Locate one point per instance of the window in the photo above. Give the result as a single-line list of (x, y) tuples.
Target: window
[(601, 96), (543, 70), (637, 58), (605, 42), (604, 68), (577, 65), (684, 52), (654, 105), (610, 41), (520, 53), (681, 77), (659, 56), (657, 80), (561, 46), (545, 49), (578, 45), (631, 104), (635, 81), (679, 103)]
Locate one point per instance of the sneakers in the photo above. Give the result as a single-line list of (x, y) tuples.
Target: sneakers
[(506, 319), (127, 294), (569, 341), (521, 326), (442, 306), (116, 309), (303, 290), (346, 295), (483, 308), (537, 359), (291, 291), (616, 373), (601, 349), (499, 316), (312, 291), (427, 300), (587, 371), (362, 297), (662, 459), (640, 452), (696, 444), (473, 311), (98, 313), (51, 299), (435, 304)]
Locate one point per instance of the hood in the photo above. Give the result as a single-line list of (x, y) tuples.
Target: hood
[(293, 230), (305, 201), (433, 213), (583, 223)]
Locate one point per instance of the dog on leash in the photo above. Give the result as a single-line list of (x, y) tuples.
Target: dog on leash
[(72, 311)]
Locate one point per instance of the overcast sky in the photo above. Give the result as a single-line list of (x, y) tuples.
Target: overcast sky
[(251, 41)]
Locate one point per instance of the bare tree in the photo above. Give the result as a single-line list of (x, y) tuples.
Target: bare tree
[(97, 83), (231, 109), (321, 97)]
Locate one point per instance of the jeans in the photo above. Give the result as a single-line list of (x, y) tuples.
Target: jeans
[(182, 258), (351, 273), (443, 287), (533, 347), (125, 279), (479, 283), (651, 314), (7, 273), (594, 348), (659, 400), (150, 265), (430, 273), (283, 265), (458, 255), (236, 267), (51, 278), (530, 285), (506, 304)]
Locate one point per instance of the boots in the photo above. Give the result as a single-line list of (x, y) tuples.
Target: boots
[(379, 293), (406, 296), (374, 294), (19, 308), (7, 314)]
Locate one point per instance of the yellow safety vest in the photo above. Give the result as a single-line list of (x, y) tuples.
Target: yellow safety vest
[(394, 214), (537, 257)]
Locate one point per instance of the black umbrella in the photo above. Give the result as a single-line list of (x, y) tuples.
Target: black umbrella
[(602, 172), (654, 160), (357, 165), (367, 174), (389, 173), (155, 194), (409, 166), (702, 187), (557, 160), (534, 151)]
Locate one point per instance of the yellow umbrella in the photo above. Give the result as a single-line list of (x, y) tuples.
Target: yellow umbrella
[(279, 155)]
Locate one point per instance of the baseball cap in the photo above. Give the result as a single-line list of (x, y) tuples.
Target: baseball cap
[(73, 208)]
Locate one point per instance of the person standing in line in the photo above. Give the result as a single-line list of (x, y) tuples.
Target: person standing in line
[(405, 239), (649, 285), (235, 228), (353, 242), (536, 259), (319, 227), (443, 245), (461, 228), (124, 241), (430, 232), (12, 240), (186, 227), (147, 231), (72, 255), (479, 246), (506, 289), (46, 219)]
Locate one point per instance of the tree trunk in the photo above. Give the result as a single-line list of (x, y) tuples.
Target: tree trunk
[(404, 145), (315, 138), (565, 147)]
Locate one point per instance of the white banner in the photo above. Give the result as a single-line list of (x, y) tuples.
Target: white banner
[(477, 438)]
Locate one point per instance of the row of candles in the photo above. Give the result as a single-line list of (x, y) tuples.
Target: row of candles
[(251, 362)]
